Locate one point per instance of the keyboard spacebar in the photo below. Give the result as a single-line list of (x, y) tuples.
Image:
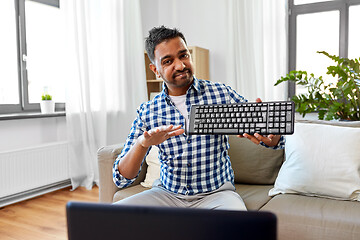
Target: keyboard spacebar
[(225, 130)]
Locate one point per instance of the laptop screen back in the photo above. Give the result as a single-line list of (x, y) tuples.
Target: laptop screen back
[(108, 221)]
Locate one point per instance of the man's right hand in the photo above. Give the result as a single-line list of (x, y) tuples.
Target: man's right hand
[(159, 135), (130, 164)]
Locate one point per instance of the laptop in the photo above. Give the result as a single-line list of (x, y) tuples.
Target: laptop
[(108, 221)]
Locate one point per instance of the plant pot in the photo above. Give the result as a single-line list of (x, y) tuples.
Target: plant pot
[(47, 106)]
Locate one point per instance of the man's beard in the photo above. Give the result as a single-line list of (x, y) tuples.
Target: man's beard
[(186, 70)]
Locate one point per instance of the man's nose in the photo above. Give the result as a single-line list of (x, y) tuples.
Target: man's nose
[(179, 65)]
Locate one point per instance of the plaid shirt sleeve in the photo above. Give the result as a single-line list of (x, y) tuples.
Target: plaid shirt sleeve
[(137, 129)]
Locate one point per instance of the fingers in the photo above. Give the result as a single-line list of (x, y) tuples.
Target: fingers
[(257, 138), (267, 140), (260, 137), (258, 100), (175, 128), (164, 131), (271, 136), (152, 132), (271, 140), (252, 138), (176, 132), (146, 134), (169, 128)]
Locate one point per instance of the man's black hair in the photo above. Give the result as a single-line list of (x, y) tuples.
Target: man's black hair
[(157, 35)]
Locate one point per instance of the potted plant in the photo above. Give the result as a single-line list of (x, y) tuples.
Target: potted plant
[(332, 101), (47, 105)]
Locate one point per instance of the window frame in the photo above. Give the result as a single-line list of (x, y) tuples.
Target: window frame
[(294, 10), (24, 106)]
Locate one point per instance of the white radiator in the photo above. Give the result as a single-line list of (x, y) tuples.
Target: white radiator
[(32, 168)]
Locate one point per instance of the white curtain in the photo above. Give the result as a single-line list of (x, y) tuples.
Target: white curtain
[(257, 49), (106, 79)]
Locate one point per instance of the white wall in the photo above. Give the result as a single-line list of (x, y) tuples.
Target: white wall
[(26, 133), (37, 149), (203, 22)]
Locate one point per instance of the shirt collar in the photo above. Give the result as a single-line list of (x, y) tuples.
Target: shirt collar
[(196, 85)]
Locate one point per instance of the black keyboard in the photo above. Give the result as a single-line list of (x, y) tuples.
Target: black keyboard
[(233, 119)]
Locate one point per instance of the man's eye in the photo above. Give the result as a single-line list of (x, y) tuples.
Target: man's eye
[(185, 55), (166, 62)]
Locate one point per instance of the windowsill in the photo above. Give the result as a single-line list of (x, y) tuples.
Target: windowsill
[(28, 115)]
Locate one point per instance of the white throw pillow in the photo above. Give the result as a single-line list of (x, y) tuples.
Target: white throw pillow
[(321, 160), (153, 169)]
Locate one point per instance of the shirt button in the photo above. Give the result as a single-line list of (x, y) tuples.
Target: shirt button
[(189, 141), (189, 164), (187, 186)]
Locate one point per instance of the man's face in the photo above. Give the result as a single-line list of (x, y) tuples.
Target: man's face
[(174, 65)]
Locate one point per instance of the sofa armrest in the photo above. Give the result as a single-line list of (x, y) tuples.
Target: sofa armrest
[(106, 158)]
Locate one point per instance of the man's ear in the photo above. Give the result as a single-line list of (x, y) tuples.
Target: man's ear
[(154, 69)]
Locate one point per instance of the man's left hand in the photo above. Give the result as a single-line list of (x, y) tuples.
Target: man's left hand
[(271, 140)]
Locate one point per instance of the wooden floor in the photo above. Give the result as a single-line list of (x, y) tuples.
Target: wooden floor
[(43, 217)]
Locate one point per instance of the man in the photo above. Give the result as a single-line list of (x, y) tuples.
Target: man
[(195, 170)]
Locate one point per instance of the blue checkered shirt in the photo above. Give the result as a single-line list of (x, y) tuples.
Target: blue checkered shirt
[(189, 164)]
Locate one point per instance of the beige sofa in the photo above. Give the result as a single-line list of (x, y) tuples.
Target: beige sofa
[(256, 169)]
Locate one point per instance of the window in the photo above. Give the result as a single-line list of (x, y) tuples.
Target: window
[(9, 84), (354, 33), (31, 54), (318, 25)]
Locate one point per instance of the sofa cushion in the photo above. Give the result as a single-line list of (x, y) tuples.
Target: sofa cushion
[(302, 217), (254, 164), (254, 196), (321, 160), (153, 169)]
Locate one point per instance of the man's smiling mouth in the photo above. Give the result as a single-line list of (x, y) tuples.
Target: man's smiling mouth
[(181, 74)]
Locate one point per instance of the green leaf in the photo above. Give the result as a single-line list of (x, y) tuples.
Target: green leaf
[(46, 97)]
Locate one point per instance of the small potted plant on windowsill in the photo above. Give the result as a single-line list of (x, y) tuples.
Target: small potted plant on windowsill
[(332, 101), (47, 105)]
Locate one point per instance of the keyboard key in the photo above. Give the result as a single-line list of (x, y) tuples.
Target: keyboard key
[(261, 125), (274, 131), (289, 127), (288, 116), (225, 131)]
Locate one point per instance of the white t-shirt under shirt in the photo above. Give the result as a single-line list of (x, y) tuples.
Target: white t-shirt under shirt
[(179, 102)]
